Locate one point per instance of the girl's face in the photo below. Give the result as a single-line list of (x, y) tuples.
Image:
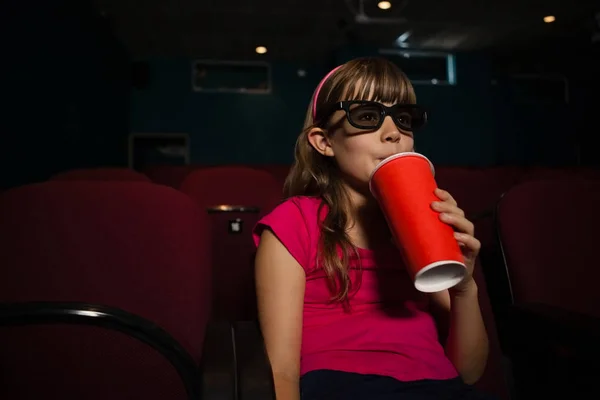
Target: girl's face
[(363, 133)]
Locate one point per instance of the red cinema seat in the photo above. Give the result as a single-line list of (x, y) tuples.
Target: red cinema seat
[(105, 291), (548, 233), (235, 197), (280, 172), (170, 175), (477, 190), (568, 173)]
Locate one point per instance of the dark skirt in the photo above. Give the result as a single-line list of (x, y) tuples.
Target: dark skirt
[(338, 385)]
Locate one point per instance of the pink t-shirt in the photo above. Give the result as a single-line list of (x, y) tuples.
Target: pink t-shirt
[(387, 330)]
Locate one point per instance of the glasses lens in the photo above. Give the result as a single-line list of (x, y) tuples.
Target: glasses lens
[(365, 115), (409, 118)]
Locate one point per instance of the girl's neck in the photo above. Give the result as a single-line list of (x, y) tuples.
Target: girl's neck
[(367, 227)]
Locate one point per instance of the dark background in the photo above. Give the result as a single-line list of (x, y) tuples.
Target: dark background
[(79, 76)]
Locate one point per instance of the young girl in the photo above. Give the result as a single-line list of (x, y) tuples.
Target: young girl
[(339, 314)]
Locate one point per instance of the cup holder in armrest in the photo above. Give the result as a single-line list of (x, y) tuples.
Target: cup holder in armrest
[(230, 208)]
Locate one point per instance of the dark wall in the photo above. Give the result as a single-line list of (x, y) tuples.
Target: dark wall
[(68, 102), (65, 90), (250, 128), (226, 127), (561, 132), (483, 120)]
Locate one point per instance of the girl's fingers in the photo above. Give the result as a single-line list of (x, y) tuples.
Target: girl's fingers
[(445, 196), (461, 224), (468, 241)]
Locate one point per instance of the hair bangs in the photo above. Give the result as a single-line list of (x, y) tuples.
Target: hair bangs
[(380, 81)]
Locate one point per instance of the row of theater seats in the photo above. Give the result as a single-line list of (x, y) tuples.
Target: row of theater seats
[(115, 247), (476, 189), (542, 272), (106, 291)]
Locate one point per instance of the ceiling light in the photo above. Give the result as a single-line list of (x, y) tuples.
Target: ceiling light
[(384, 5), (549, 18), (261, 49)]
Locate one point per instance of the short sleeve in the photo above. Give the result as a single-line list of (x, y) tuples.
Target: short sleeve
[(294, 223)]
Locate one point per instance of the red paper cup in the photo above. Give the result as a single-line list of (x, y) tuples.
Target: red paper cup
[(404, 186)]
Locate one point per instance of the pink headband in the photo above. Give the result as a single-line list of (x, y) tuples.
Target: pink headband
[(316, 96)]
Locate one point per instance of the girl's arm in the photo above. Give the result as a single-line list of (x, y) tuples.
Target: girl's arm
[(459, 315), (280, 283)]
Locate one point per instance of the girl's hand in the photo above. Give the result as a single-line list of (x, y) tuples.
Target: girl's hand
[(464, 229)]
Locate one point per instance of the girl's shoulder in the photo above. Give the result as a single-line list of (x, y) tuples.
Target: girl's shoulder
[(295, 222)]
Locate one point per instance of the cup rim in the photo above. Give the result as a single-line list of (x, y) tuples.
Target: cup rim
[(395, 156), (443, 285)]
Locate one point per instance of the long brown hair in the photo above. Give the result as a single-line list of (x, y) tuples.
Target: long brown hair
[(313, 174)]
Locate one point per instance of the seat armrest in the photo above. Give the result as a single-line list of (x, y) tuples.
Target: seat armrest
[(218, 363), (110, 318), (253, 368), (234, 363)]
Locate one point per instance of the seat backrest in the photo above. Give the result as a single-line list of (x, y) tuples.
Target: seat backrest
[(232, 246), (136, 247), (477, 191), (588, 173), (574, 172), (279, 171), (233, 185), (101, 174), (170, 175), (548, 231), (541, 173)]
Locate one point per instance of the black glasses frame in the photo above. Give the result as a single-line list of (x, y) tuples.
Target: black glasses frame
[(384, 110)]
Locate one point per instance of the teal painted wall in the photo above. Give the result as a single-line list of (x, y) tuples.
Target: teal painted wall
[(471, 123)]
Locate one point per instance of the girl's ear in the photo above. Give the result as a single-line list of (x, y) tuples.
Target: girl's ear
[(319, 141)]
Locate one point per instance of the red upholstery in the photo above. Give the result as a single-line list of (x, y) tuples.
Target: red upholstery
[(477, 190), (169, 175), (135, 246), (280, 172), (174, 176), (237, 185), (233, 253), (549, 233), (101, 174), (588, 173), (540, 173)]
